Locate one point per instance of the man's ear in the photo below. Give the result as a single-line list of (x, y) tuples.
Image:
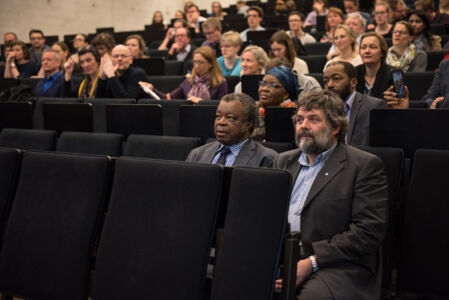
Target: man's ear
[(336, 130), (354, 82)]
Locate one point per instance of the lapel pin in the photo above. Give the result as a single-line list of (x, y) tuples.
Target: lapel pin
[(326, 173)]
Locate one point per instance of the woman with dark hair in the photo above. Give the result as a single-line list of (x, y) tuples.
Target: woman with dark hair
[(158, 20), (334, 17), (424, 39), (63, 49), (403, 54), (89, 60), (281, 46), (136, 46), (103, 42), (374, 76), (205, 83), (18, 64)]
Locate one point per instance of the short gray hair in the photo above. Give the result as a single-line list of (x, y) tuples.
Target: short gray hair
[(260, 55), (358, 16), (56, 53)]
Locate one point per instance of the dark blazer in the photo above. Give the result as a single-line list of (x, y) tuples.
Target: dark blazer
[(383, 81), (344, 219), (252, 154), (55, 90), (188, 57), (358, 133), (440, 84), (125, 86)]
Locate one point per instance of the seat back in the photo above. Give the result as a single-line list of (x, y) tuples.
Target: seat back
[(16, 115), (315, 62), (99, 110), (152, 66), (173, 67), (197, 121), (317, 48), (134, 118), (250, 248), (418, 83), (160, 147), (52, 226), (38, 117), (156, 239), (9, 164), (166, 84), (250, 85), (68, 116), (278, 124), (426, 226), (28, 139), (433, 59), (90, 143)]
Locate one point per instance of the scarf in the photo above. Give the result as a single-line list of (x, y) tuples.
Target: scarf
[(87, 88), (200, 87), (420, 42), (404, 61)]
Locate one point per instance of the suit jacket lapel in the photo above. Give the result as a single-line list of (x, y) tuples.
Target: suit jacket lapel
[(331, 168), (246, 153), (293, 166), (209, 153), (353, 115)]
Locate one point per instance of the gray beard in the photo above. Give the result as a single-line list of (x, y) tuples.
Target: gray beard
[(318, 145)]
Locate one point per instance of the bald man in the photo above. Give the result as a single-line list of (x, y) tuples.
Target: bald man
[(118, 79)]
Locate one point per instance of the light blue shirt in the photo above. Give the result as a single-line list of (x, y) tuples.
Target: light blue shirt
[(182, 56), (234, 71), (348, 107), (302, 186), (230, 158)]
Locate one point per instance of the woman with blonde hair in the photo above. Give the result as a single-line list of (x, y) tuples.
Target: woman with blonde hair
[(281, 46), (136, 46), (346, 45), (254, 61), (205, 83), (230, 62), (217, 11)]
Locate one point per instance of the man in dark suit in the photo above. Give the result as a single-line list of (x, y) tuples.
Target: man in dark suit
[(52, 85), (234, 123), (338, 203), (341, 77), (182, 48)]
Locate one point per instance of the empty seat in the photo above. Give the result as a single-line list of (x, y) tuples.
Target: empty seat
[(152, 66), (6, 83), (52, 226), (9, 164), (99, 110), (38, 117), (160, 147), (28, 139), (156, 238), (232, 82), (16, 115), (90, 143), (418, 83), (315, 62), (317, 48), (250, 85), (158, 53), (173, 67), (278, 124), (68, 116), (197, 121), (166, 84), (433, 59)]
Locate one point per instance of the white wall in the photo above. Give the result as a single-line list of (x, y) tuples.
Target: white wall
[(59, 17)]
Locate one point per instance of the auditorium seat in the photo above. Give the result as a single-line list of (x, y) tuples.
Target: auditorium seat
[(9, 164), (166, 84), (28, 139), (318, 77), (315, 62), (38, 116), (158, 53), (433, 59), (16, 115), (418, 83), (197, 121), (158, 232), (160, 147), (52, 226), (68, 116), (173, 68), (317, 48), (277, 146), (232, 82), (90, 143), (99, 110)]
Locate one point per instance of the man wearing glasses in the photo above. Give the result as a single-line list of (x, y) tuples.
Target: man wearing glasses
[(118, 79), (212, 31), (182, 49), (38, 46), (254, 18)]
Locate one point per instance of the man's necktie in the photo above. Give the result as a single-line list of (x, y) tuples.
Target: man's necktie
[(223, 153)]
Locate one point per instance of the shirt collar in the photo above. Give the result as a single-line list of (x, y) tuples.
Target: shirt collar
[(350, 99), (53, 77), (322, 157), (234, 148)]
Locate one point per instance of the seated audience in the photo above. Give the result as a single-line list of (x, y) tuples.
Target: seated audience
[(352, 6), (217, 11), (403, 54), (399, 9), (280, 8), (374, 75), (281, 46), (104, 43), (9, 37), (205, 83), (118, 79), (254, 61), (339, 203), (193, 17), (346, 45), (182, 48), (212, 31), (7, 48), (18, 64), (179, 14), (63, 50), (52, 85), (37, 40), (381, 14), (428, 6), (234, 123), (444, 7), (136, 46), (89, 60), (170, 35), (424, 40), (230, 62), (158, 20), (279, 87), (319, 9), (439, 90), (357, 24), (341, 78), (241, 7), (80, 41), (254, 18), (298, 36), (333, 18)]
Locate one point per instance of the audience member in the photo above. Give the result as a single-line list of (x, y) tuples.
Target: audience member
[(104, 43), (424, 40), (319, 9), (352, 6), (217, 11), (136, 46), (205, 83), (230, 62), (254, 18), (346, 46), (428, 6), (400, 10), (158, 20), (118, 79), (179, 14), (89, 60), (403, 54), (212, 31), (242, 8), (280, 8), (9, 37), (374, 75), (381, 13), (169, 36), (334, 17), (18, 64), (80, 41), (182, 48), (63, 50), (38, 46), (234, 124), (341, 78), (281, 46), (439, 90), (444, 6), (339, 203), (193, 17), (357, 24), (7, 48), (52, 85), (295, 23), (254, 61)]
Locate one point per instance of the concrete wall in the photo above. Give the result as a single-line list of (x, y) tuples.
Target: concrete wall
[(59, 17)]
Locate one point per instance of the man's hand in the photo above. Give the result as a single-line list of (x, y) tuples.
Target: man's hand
[(194, 99), (107, 69), (319, 7), (304, 269), (175, 47), (434, 103), (393, 101), (170, 33)]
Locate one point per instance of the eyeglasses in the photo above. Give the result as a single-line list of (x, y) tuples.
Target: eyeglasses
[(120, 55), (379, 13), (294, 20), (36, 38), (270, 84), (208, 33), (199, 62), (400, 32)]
